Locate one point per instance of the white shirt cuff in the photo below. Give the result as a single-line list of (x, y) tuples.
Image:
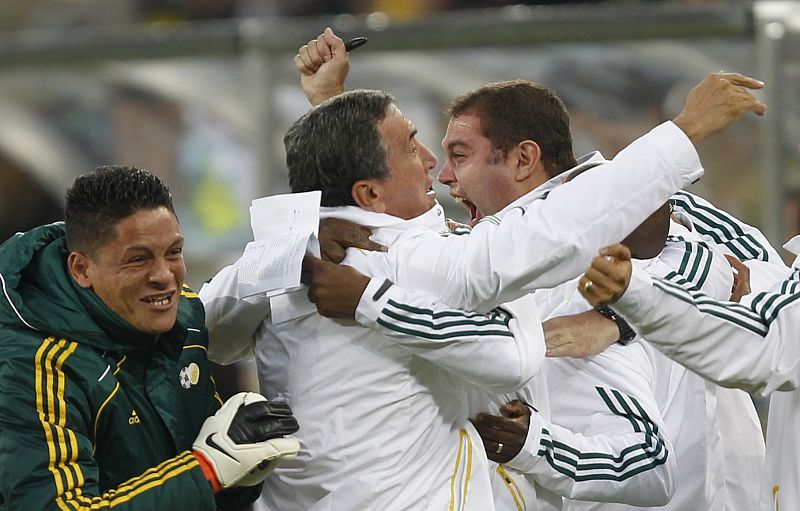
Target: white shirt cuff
[(373, 300), (528, 457)]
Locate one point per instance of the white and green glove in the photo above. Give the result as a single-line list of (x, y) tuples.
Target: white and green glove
[(241, 443)]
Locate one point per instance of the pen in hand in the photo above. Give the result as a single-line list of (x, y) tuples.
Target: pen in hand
[(354, 43)]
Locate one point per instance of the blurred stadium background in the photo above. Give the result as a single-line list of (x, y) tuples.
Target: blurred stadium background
[(201, 91)]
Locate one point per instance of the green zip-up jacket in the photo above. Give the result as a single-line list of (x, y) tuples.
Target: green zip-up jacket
[(95, 414)]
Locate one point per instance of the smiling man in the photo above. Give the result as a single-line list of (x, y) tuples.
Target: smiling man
[(107, 399)]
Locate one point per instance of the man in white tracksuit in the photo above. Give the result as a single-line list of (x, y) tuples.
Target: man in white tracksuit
[(729, 475), (643, 473), (749, 346)]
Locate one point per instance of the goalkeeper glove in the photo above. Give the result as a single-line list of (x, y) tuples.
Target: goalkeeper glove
[(245, 439)]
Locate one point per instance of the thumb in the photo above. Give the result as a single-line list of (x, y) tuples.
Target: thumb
[(335, 42), (309, 266), (616, 251), (513, 409), (310, 262)]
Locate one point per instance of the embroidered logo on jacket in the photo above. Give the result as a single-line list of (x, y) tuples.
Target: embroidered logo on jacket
[(134, 418), (189, 375)]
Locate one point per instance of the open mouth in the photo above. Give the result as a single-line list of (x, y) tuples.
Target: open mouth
[(163, 301), (430, 192), (472, 209)]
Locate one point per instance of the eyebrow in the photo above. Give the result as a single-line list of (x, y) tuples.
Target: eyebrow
[(145, 248), (455, 143)]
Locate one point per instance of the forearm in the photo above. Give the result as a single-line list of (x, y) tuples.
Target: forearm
[(552, 240), (751, 348), (499, 351), (230, 318), (636, 467), (177, 483)]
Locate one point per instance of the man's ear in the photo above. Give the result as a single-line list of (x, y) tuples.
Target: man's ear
[(78, 265), (369, 194), (529, 158)]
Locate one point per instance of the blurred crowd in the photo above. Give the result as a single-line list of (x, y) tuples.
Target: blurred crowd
[(21, 14)]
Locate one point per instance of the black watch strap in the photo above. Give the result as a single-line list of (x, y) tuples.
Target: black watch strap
[(626, 333)]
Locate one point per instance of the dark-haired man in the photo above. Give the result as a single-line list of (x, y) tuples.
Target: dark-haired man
[(107, 399)]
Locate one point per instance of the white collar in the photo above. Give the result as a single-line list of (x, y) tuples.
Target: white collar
[(793, 246), (387, 228), (590, 160)]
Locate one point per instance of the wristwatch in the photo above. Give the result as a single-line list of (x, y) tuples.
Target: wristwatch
[(626, 333)]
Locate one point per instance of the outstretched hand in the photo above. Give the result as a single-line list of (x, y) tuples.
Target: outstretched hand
[(717, 102), (608, 276)]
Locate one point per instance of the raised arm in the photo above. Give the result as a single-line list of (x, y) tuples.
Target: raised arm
[(323, 65), (550, 240)]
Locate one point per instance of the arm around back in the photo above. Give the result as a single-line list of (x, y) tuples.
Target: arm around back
[(231, 319)]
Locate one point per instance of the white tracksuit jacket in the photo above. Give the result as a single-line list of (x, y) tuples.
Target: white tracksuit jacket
[(749, 346)]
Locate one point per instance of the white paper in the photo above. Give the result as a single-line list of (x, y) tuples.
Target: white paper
[(271, 265), (285, 227), (289, 212)]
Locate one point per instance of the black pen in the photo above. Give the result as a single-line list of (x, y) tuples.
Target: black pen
[(354, 43)]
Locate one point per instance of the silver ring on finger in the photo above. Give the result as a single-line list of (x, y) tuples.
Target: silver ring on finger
[(588, 284), (499, 448)]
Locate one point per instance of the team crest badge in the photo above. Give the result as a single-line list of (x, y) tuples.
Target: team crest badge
[(189, 375)]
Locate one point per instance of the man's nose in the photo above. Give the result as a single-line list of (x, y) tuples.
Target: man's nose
[(446, 175), (161, 273), (428, 158)]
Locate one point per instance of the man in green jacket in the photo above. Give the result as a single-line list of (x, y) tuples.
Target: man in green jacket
[(107, 399)]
